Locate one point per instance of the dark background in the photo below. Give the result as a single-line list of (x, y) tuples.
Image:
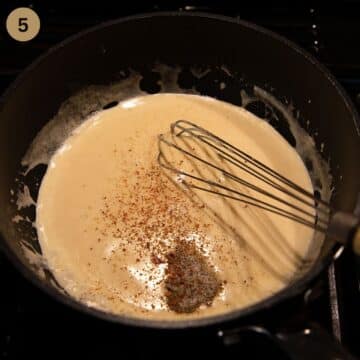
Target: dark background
[(32, 324)]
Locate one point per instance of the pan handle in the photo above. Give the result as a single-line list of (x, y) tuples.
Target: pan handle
[(313, 343)]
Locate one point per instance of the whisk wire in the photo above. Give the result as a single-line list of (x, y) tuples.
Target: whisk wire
[(255, 168), (239, 153), (242, 197)]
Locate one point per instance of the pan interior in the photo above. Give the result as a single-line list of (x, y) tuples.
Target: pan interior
[(218, 82)]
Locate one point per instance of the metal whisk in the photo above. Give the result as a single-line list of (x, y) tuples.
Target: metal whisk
[(308, 209)]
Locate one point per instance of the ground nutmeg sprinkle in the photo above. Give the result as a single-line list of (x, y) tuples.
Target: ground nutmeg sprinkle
[(153, 219)]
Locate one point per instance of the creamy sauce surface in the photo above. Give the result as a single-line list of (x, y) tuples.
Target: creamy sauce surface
[(108, 215)]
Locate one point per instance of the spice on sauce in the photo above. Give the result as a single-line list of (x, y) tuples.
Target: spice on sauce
[(155, 225), (190, 281)]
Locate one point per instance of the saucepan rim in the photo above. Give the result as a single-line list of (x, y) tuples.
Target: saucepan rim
[(290, 291)]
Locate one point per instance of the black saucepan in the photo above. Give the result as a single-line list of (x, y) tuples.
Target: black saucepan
[(253, 55)]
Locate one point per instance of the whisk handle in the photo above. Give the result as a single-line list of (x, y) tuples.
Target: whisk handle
[(356, 241), (344, 227)]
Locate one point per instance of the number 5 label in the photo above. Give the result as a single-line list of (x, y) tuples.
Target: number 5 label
[(23, 24)]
